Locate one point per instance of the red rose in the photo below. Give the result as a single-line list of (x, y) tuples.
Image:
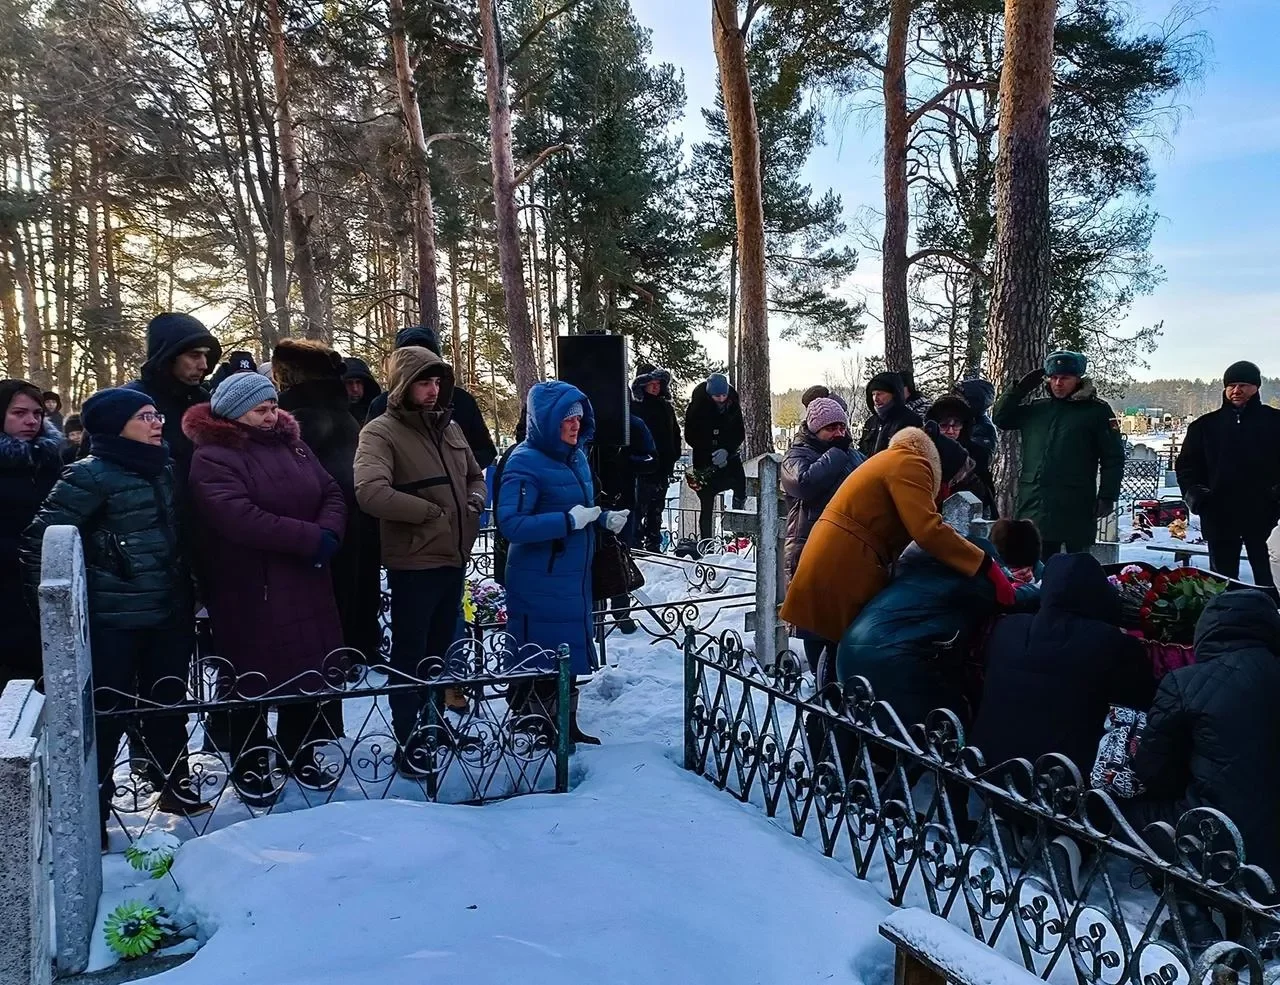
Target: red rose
[(1145, 612)]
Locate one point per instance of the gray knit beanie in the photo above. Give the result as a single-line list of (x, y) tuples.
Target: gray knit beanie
[(240, 393)]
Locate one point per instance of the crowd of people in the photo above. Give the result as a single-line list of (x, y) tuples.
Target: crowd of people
[(273, 497)]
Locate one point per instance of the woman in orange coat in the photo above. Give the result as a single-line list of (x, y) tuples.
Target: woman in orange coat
[(885, 503)]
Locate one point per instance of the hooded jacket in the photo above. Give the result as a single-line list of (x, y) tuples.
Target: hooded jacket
[(358, 369), (812, 471), (1064, 445), (263, 502), (980, 482), (1050, 677), (169, 336), (912, 641), (659, 416), (548, 571), (1212, 736), (888, 501), (710, 427), (466, 412), (878, 431), (415, 472), (980, 395), (28, 471), (1229, 470)]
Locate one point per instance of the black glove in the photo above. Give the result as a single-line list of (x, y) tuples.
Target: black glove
[(1106, 507), (1197, 498), (329, 545), (1031, 380)]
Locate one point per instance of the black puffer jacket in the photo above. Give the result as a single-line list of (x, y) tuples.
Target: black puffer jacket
[(1229, 470), (659, 417), (1213, 736), (136, 575), (327, 427), (1050, 677), (811, 473), (877, 431), (709, 428), (28, 470)]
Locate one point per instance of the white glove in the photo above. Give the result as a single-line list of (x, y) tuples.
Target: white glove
[(580, 516), (720, 458), (615, 520)]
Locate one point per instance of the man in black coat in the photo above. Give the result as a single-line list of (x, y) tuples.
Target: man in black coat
[(714, 428), (1212, 737), (309, 376), (651, 402), (1050, 677), (1229, 474), (466, 412), (887, 401), (181, 352), (362, 388)]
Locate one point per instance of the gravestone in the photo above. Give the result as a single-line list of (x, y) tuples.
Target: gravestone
[(72, 754), (960, 511), (689, 506), (25, 954), (771, 587)]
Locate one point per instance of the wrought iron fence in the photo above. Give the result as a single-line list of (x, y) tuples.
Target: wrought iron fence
[(1022, 855), (484, 722), (1143, 478)]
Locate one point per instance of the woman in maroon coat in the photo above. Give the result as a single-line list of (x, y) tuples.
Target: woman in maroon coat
[(271, 519)]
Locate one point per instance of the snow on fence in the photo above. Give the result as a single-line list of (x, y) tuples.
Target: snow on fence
[(1022, 856)]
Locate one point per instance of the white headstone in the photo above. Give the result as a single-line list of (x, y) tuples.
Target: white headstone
[(770, 636), (25, 955), (72, 756)]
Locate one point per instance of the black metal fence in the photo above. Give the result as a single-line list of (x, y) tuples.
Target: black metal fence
[(1022, 855), (483, 722)]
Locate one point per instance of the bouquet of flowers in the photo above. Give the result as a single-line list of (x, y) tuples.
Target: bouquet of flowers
[(1133, 584), (698, 478), (1174, 602), (484, 602)]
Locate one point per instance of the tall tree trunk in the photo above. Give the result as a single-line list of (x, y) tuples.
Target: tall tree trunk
[(455, 316), (744, 141), (36, 371), (540, 345), (424, 222), (304, 261), (14, 363), (733, 313), (897, 316), (1020, 290), (93, 313), (519, 329)]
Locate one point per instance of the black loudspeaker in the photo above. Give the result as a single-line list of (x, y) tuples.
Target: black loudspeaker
[(597, 365)]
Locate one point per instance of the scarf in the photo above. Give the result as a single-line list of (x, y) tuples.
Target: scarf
[(884, 410), (144, 459)]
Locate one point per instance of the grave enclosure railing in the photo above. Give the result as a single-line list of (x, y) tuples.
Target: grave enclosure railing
[(1021, 855)]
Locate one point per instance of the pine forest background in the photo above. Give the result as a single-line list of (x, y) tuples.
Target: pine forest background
[(324, 168)]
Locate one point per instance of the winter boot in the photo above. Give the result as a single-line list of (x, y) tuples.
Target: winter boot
[(1197, 923), (622, 618), (576, 735)]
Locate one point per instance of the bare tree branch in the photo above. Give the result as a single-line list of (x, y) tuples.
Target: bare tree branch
[(538, 28), (537, 162)]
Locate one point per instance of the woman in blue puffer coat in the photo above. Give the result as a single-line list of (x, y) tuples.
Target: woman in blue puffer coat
[(547, 511)]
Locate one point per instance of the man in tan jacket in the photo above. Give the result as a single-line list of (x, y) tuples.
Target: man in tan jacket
[(415, 472)]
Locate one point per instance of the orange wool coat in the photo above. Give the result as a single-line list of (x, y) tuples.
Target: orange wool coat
[(887, 502)]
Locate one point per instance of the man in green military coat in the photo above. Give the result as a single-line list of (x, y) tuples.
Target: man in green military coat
[(1067, 437)]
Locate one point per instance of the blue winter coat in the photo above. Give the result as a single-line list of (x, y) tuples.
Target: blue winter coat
[(894, 642), (548, 574)]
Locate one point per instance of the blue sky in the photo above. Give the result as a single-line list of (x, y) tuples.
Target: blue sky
[(1217, 191)]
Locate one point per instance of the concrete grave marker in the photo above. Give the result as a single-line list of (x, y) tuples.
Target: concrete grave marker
[(25, 954), (73, 773)]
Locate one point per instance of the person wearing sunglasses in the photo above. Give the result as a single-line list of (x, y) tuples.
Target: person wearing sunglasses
[(121, 498)]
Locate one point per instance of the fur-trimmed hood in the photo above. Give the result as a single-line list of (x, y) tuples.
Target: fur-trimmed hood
[(917, 442), (663, 376), (203, 428), (47, 446)]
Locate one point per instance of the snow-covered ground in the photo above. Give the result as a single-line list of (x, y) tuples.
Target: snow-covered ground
[(643, 873)]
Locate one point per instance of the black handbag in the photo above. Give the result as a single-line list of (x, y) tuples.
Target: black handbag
[(613, 571)]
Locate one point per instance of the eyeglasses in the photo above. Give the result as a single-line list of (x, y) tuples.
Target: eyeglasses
[(149, 417)]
